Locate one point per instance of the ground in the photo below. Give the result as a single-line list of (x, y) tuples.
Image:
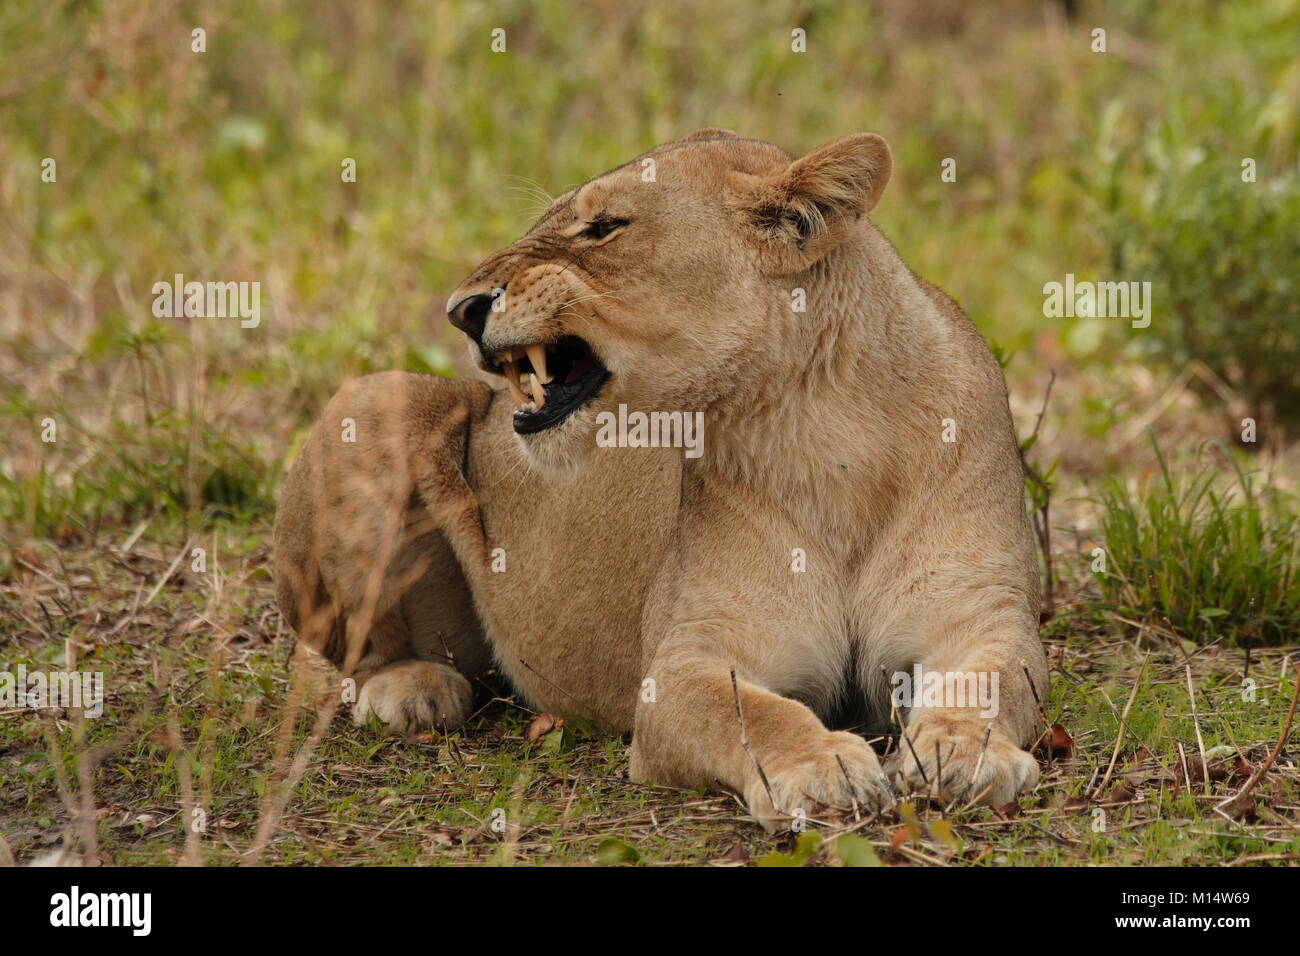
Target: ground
[(197, 689)]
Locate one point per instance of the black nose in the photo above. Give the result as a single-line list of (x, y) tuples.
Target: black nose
[(470, 314)]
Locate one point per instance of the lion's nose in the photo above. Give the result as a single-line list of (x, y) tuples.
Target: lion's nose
[(470, 314)]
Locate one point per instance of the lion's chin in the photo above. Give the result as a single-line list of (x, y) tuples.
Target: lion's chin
[(561, 452)]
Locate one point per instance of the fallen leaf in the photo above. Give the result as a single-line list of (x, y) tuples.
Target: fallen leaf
[(1240, 808), (943, 832), (911, 824), (853, 850), (1057, 746), (540, 726), (1225, 768), (736, 855), (613, 851), (558, 740), (806, 846), (67, 535), (1120, 794)]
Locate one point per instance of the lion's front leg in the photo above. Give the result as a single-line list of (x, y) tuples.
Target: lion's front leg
[(706, 718), (970, 712)]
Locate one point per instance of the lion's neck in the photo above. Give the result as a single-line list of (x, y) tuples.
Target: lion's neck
[(839, 390)]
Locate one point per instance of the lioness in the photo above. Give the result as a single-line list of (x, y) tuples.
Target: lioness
[(857, 509)]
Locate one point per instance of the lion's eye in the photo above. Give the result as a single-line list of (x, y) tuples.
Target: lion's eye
[(600, 228)]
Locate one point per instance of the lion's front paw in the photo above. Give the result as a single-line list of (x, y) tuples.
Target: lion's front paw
[(415, 695), (836, 773), (956, 765)]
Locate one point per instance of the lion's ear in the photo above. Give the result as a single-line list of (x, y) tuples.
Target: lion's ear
[(708, 133), (810, 202)]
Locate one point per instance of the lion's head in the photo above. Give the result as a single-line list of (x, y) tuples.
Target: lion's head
[(657, 284)]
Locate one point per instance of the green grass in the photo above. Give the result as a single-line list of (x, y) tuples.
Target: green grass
[(1204, 558)]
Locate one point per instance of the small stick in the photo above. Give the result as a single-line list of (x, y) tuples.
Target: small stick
[(1128, 730), (1042, 521), (171, 568), (919, 766), (1196, 722), (938, 772), (853, 791), (893, 711), (975, 774), (744, 742), (979, 796), (1047, 724), (1119, 734), (192, 855), (1258, 775), (548, 680)]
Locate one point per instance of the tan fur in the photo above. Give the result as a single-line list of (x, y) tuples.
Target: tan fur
[(637, 581), (363, 572)]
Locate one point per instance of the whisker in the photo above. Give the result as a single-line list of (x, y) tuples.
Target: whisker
[(590, 296)]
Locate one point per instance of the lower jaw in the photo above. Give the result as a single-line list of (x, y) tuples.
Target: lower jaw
[(535, 425), (523, 425)]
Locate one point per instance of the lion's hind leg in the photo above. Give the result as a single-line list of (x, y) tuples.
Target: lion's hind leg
[(363, 574)]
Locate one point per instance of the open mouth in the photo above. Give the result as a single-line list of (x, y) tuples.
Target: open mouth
[(549, 382)]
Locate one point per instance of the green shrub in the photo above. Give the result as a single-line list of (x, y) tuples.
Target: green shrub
[(1173, 205), (1222, 258)]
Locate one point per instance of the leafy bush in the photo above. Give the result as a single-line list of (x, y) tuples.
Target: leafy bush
[(1221, 255), (1200, 195), (1209, 561)]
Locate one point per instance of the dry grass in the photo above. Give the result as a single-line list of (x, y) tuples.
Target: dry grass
[(200, 714)]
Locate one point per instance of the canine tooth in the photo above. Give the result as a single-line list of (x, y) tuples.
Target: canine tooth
[(511, 372), (537, 355), (539, 393)]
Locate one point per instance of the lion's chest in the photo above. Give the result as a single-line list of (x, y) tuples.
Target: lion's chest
[(571, 562)]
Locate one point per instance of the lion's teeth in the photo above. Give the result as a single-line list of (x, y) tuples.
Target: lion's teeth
[(528, 396), (511, 372), (537, 355)]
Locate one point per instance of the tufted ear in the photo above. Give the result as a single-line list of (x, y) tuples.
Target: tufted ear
[(807, 207)]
